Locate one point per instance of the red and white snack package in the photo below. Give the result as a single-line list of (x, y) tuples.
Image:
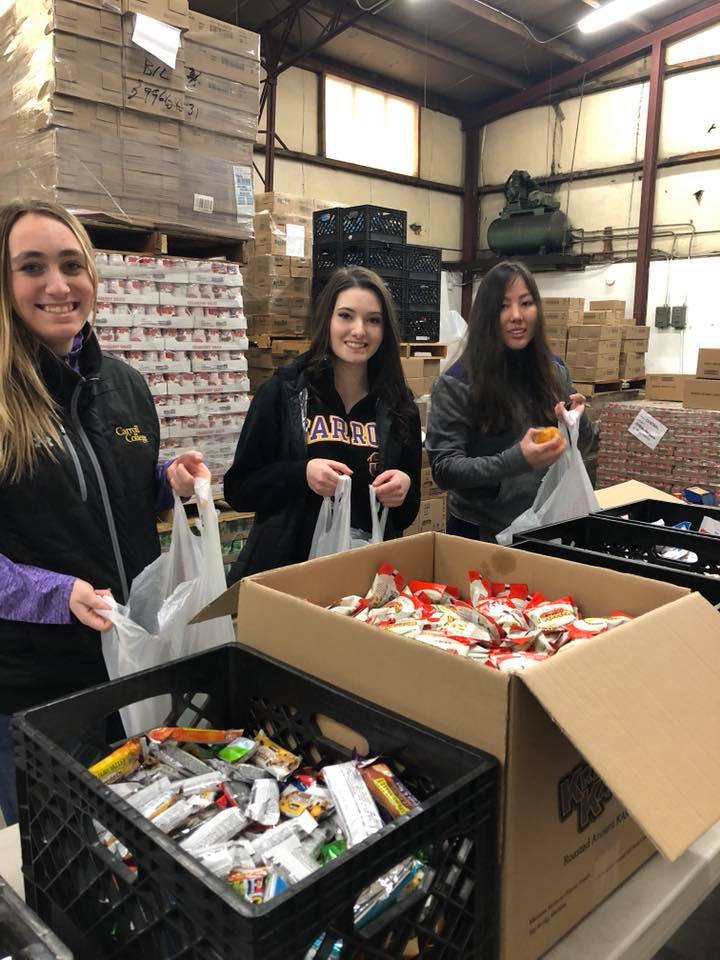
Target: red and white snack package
[(480, 588), (550, 614), (386, 585)]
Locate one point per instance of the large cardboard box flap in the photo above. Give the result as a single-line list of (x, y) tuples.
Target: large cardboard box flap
[(628, 492), (643, 720)]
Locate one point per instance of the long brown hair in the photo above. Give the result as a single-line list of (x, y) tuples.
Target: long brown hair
[(492, 368), (385, 371), (28, 417)]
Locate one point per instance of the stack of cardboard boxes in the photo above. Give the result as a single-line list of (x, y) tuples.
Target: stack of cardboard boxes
[(702, 392), (432, 514), (605, 346), (688, 453), (92, 119), (558, 314)]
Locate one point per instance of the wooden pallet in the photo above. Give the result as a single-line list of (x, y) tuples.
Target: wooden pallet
[(135, 237), (609, 386)]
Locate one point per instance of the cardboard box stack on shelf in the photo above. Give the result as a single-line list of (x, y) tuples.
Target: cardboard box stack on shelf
[(633, 347), (181, 324), (688, 454), (558, 314), (593, 352), (432, 514), (92, 119), (702, 392)]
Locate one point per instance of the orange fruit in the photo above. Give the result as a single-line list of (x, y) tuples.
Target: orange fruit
[(546, 434)]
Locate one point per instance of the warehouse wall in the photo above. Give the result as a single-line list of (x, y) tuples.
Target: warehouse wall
[(606, 129), (441, 159)]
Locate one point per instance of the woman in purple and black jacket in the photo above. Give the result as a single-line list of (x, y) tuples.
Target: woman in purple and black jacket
[(80, 482)]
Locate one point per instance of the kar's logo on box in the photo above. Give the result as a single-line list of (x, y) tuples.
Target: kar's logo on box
[(584, 791)]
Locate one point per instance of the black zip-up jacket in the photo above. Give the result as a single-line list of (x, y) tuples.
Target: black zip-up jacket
[(268, 472), (89, 514)]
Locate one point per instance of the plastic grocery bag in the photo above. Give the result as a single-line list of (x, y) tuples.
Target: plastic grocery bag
[(565, 492), (154, 626), (333, 533)]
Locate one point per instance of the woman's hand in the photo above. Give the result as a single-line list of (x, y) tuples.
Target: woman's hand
[(391, 487), (577, 402), (322, 475), (539, 455), (182, 471), (85, 602)]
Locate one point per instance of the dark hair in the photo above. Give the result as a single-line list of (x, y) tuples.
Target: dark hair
[(385, 372), (494, 373)]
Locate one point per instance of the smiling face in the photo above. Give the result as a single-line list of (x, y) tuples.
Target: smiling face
[(52, 291), (356, 325), (518, 315)]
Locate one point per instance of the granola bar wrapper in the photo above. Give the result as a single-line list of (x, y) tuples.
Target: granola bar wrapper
[(480, 587), (119, 764), (550, 615), (275, 759), (385, 587)]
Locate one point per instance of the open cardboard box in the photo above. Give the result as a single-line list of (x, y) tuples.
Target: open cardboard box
[(636, 709)]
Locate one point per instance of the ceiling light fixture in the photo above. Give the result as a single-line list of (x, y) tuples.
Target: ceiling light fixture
[(614, 12)]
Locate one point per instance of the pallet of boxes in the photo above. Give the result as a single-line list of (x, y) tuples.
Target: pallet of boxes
[(95, 118), (278, 282), (604, 349)]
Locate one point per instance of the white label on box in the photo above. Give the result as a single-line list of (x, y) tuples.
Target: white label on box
[(647, 429), (294, 240), (244, 199), (202, 203), (159, 39), (710, 526)]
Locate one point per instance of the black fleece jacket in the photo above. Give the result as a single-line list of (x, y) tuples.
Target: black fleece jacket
[(268, 472)]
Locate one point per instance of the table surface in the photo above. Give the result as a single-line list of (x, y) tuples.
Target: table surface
[(632, 924)]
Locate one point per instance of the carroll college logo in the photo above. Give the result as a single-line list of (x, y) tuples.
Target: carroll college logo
[(584, 791), (131, 434)]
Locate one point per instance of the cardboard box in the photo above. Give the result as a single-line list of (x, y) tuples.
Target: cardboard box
[(271, 234), (301, 267), (220, 63), (701, 394), (592, 331), (598, 374), (598, 349), (428, 487), (556, 331), (223, 35), (420, 386), (708, 366), (431, 518), (609, 711), (637, 335), (220, 92), (216, 145), (563, 303), (616, 306), (284, 203), (422, 406), (426, 367), (632, 366), (665, 386), (73, 114), (86, 68), (173, 12), (85, 21), (267, 265)]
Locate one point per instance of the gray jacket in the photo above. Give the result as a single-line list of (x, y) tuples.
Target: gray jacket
[(489, 481)]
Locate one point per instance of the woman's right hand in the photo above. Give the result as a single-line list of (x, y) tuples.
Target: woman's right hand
[(84, 603), (539, 455), (322, 475)]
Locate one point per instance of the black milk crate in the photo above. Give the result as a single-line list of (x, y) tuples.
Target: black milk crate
[(420, 326), (423, 263), (23, 935), (326, 225), (172, 908), (385, 259), (422, 295), (397, 291), (670, 513), (373, 224), (630, 548)]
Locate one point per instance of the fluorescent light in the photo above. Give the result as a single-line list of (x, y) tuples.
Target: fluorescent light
[(614, 12)]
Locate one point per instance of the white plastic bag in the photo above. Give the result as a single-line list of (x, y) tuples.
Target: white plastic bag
[(333, 533), (154, 627), (565, 491)]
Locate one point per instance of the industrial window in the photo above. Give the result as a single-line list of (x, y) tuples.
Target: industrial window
[(367, 127)]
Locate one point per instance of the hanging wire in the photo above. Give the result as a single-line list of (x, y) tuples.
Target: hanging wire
[(521, 23)]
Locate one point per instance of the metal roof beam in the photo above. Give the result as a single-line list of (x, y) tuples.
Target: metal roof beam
[(485, 12), (539, 92)]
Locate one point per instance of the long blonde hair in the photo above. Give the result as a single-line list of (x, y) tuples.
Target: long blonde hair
[(29, 420)]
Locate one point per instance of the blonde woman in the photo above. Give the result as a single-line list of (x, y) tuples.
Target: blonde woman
[(79, 476)]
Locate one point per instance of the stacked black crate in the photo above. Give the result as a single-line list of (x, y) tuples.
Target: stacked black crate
[(421, 314), (364, 236)]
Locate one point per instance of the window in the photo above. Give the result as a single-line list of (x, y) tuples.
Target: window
[(371, 128)]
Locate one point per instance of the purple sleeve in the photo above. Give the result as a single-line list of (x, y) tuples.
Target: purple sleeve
[(163, 491), (34, 595)]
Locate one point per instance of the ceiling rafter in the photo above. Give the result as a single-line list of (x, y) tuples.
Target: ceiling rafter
[(417, 43), (559, 47)]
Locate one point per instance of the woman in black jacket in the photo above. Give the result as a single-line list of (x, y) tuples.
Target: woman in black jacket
[(342, 408)]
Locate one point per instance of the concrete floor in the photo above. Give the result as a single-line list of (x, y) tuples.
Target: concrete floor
[(699, 937)]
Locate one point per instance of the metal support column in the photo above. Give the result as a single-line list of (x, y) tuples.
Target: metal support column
[(647, 198), (471, 210), (270, 100)]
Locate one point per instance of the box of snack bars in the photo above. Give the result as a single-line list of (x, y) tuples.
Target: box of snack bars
[(602, 761)]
